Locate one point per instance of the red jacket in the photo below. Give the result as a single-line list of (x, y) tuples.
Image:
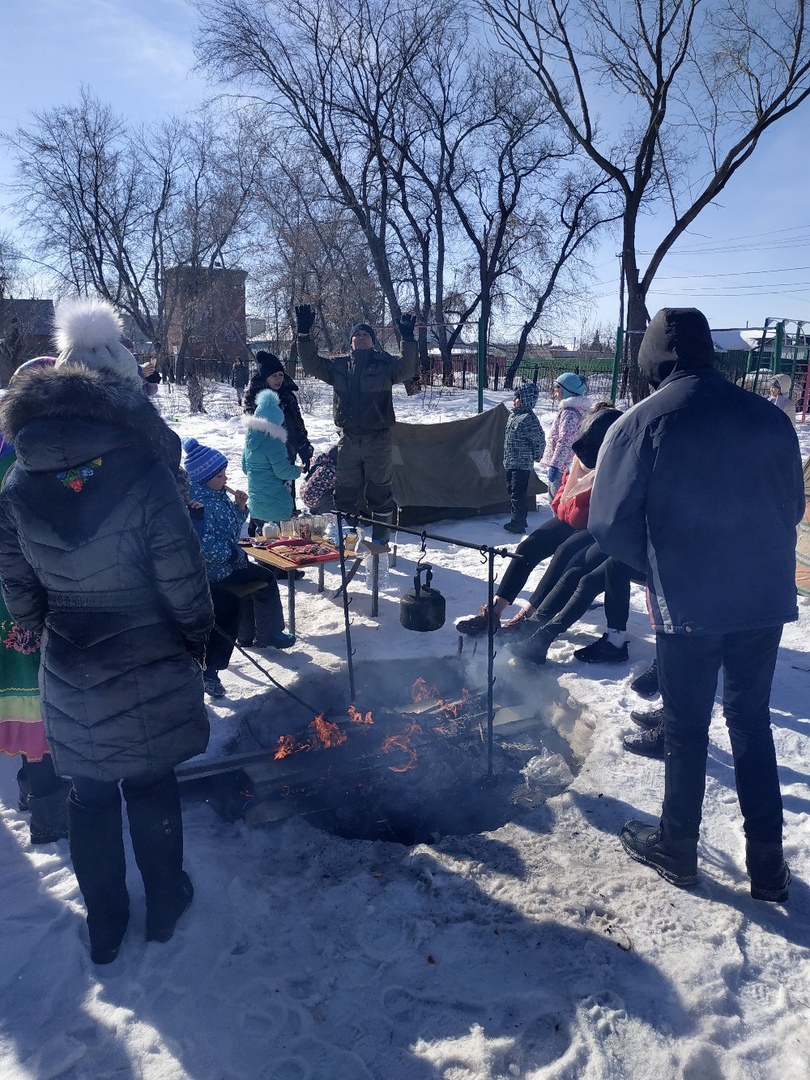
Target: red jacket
[(574, 512)]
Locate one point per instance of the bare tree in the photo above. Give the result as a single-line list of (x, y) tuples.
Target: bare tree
[(110, 209), (689, 85), (442, 158)]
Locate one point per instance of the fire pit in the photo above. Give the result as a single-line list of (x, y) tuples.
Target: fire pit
[(407, 761)]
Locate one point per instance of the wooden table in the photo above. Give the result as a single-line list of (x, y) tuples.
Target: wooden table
[(278, 562)]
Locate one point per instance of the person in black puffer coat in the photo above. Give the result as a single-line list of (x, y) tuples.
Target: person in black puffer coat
[(99, 555)]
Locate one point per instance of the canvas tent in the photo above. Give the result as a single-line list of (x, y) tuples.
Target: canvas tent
[(453, 469)]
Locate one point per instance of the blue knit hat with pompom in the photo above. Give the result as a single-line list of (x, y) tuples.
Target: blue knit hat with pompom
[(202, 463)]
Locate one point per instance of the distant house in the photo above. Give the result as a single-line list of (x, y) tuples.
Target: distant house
[(26, 327)]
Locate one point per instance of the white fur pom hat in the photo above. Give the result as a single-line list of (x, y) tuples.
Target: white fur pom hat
[(87, 331)]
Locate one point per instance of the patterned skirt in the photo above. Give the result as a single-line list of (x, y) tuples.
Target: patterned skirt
[(21, 727)]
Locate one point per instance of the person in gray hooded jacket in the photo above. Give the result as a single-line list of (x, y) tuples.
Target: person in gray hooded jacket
[(700, 487)]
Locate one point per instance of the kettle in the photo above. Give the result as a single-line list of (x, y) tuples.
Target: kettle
[(422, 608)]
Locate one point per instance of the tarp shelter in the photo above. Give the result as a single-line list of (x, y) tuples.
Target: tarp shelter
[(803, 540), (454, 469)]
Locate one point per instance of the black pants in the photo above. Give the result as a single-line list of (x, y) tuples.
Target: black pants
[(537, 546), (226, 619), (688, 666), (568, 555), (41, 775), (517, 481), (575, 592)]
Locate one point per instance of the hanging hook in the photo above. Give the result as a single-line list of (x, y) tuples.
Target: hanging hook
[(483, 551), (423, 548)]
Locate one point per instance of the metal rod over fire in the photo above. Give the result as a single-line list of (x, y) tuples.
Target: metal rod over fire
[(489, 553)]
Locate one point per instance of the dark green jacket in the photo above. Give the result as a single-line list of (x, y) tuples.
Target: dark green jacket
[(362, 383)]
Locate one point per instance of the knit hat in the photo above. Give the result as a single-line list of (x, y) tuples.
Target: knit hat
[(362, 327), (778, 382), (268, 363), (202, 463), (527, 393), (87, 331), (268, 408), (571, 384)]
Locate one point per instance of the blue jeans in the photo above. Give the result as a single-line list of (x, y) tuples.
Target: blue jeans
[(688, 666)]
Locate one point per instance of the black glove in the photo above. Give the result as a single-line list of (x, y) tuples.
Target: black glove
[(304, 318), (406, 324)]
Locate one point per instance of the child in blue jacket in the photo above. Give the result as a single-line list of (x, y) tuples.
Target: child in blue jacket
[(524, 443), (262, 617), (266, 464)]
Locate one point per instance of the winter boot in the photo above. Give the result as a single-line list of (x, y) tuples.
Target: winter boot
[(674, 860), (97, 850), (603, 651), (49, 815), (646, 685), (156, 828), (476, 625), (648, 719), (213, 684), (534, 649), (380, 534), (515, 527), (769, 873), (649, 743), (25, 789)]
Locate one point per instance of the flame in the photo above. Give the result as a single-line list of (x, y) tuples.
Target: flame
[(420, 691), (400, 742), (451, 709), (357, 717), (328, 734), (286, 746)]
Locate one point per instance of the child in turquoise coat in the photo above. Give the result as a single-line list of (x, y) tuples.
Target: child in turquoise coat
[(265, 462)]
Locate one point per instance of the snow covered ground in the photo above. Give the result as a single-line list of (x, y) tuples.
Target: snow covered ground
[(537, 950)]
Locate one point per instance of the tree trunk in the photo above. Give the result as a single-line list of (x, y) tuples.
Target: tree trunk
[(196, 396), (637, 319)]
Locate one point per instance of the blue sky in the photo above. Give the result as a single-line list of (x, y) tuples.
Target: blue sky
[(746, 258)]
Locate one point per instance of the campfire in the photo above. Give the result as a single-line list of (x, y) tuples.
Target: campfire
[(408, 761)]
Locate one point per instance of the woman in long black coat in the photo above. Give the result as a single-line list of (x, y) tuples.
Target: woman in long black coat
[(98, 553)]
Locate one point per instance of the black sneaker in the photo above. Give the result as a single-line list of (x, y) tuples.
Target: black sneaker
[(646, 743), (603, 652), (674, 860), (649, 719), (646, 685)]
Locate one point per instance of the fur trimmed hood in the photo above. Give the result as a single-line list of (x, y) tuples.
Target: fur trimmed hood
[(77, 400), (268, 417), (256, 423)]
